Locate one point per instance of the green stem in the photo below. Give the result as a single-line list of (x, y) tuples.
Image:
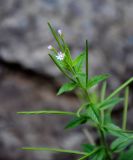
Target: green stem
[(103, 141), (86, 62), (125, 109), (120, 88), (47, 112), (54, 150), (89, 154), (102, 98)]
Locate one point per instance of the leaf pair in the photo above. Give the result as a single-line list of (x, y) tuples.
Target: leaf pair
[(82, 77)]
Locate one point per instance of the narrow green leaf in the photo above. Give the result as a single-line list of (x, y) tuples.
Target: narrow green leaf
[(76, 122), (116, 130), (109, 103), (68, 56), (120, 144), (55, 35), (67, 87), (82, 78), (91, 112), (47, 112), (78, 62), (96, 79), (89, 154), (53, 150), (100, 155), (88, 147), (60, 66), (125, 154)]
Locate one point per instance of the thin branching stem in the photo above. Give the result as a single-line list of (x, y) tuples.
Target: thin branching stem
[(125, 109), (53, 150), (103, 92), (120, 88), (47, 112)]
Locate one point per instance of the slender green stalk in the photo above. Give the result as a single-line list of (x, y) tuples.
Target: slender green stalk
[(53, 150), (103, 141), (48, 112), (103, 92), (120, 88), (89, 154), (80, 109), (87, 62), (125, 109)]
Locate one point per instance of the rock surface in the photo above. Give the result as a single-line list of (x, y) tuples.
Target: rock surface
[(107, 24), (19, 92)]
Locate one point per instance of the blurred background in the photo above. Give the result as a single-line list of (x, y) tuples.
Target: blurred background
[(29, 80)]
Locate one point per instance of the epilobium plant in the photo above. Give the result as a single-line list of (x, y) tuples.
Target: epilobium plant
[(96, 112)]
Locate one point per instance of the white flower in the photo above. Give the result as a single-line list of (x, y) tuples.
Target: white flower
[(60, 32), (50, 47), (60, 56)]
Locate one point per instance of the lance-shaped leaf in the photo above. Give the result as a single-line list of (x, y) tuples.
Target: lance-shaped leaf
[(78, 62), (125, 154), (61, 66), (97, 79), (116, 130), (76, 122), (92, 112), (53, 150), (81, 79), (89, 154), (121, 143), (109, 103), (100, 155), (67, 87), (55, 35), (88, 147)]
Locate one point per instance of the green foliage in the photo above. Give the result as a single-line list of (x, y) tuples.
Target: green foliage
[(76, 122), (67, 87), (100, 155), (96, 79), (121, 143), (88, 147), (109, 103), (78, 62), (94, 110), (127, 154)]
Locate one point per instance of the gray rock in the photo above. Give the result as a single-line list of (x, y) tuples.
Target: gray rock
[(25, 35)]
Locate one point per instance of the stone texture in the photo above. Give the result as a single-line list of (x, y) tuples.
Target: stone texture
[(107, 24), (20, 92)]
